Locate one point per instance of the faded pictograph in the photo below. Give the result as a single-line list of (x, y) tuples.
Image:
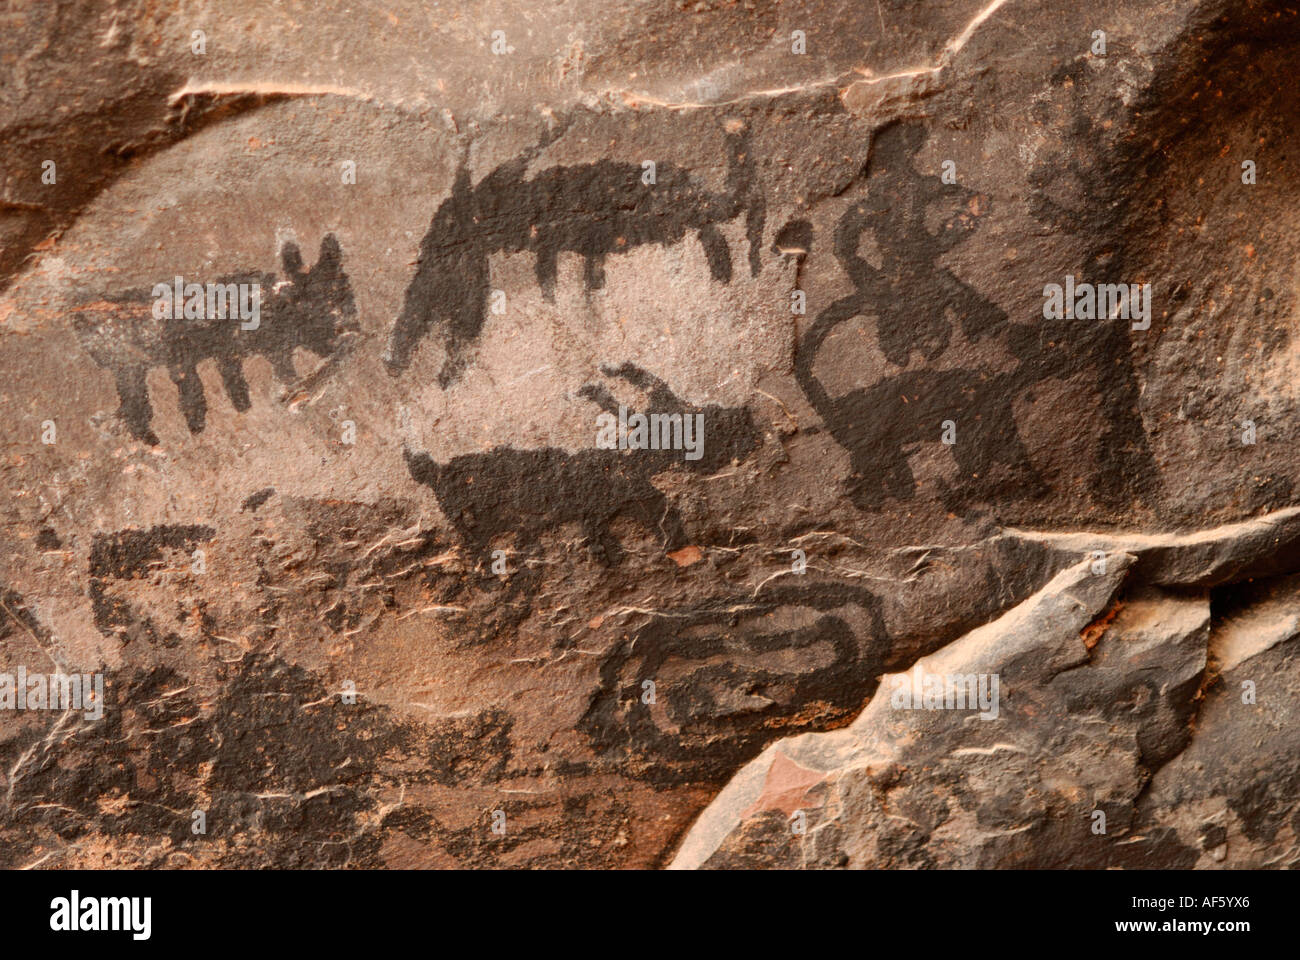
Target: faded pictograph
[(133, 332)]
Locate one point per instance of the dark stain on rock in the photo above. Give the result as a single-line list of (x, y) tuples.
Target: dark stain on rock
[(275, 757), (309, 309), (586, 832), (132, 555), (257, 499), (476, 748), (593, 209)]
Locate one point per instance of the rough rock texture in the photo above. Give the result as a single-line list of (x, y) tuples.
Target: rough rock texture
[(570, 656)]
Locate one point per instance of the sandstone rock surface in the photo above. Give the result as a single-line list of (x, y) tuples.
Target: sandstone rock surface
[(364, 590)]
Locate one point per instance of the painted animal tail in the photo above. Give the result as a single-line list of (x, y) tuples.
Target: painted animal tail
[(808, 348), (744, 191)]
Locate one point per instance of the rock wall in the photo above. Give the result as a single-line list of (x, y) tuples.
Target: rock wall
[(971, 539)]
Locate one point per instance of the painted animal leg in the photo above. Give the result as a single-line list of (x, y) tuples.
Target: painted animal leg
[(593, 273), (547, 267), (133, 396), (465, 316), (193, 402), (1010, 450), (899, 481), (717, 252), (232, 375)]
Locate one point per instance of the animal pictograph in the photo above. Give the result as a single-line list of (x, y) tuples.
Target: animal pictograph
[(593, 210), (912, 297), (525, 493), (311, 309)]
